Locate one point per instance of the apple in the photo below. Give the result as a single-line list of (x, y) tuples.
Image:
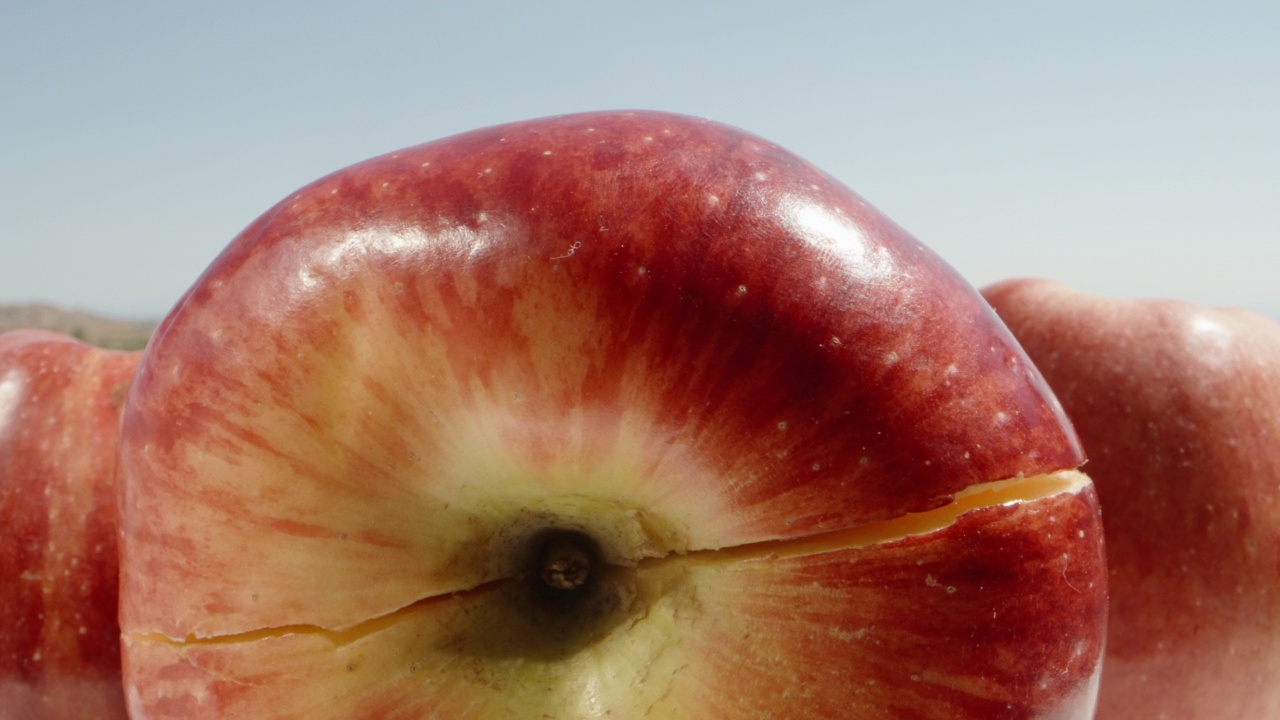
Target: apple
[(605, 415), (60, 403), (1179, 409)]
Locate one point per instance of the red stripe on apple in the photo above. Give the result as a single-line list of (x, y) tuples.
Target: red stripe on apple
[(60, 403)]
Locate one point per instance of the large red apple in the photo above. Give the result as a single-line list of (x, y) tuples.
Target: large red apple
[(60, 404), (1179, 409), (611, 415)]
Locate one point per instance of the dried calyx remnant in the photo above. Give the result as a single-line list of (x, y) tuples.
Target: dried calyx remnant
[(565, 565)]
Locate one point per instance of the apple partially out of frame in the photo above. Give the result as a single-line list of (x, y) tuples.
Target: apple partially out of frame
[(618, 414), (1178, 407), (60, 403)]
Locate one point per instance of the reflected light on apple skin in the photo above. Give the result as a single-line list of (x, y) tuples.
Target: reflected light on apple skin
[(455, 242), (10, 392), (394, 242), (1083, 704), (1213, 341), (350, 254), (831, 232)]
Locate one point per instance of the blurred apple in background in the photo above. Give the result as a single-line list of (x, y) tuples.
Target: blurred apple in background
[(1178, 407), (60, 403), (619, 414)]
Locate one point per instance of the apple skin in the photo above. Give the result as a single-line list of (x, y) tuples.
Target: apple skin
[(60, 403), (726, 369), (1179, 408)]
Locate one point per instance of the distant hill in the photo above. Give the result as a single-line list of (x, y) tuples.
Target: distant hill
[(93, 329)]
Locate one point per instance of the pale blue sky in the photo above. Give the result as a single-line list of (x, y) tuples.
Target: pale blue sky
[(1129, 148)]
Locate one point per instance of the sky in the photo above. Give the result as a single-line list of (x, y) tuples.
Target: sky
[(1124, 148)]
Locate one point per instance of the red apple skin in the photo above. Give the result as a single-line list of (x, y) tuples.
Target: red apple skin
[(60, 403), (1179, 409), (735, 347)]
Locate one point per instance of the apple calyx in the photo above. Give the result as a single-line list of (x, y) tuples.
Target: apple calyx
[(565, 561)]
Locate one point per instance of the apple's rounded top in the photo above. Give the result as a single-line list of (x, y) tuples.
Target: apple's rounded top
[(610, 258), (684, 312)]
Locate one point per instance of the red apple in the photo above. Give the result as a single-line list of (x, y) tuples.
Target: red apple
[(60, 404), (622, 414), (1179, 409)]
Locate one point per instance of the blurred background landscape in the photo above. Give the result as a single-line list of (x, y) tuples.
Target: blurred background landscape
[(1124, 148), (93, 329)]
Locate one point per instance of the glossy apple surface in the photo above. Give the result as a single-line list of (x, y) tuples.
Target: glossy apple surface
[(60, 403), (1179, 409), (620, 414)]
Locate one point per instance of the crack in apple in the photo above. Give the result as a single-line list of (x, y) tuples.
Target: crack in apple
[(976, 497), (339, 638)]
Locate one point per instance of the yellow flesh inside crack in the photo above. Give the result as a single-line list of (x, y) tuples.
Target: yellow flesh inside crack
[(984, 495)]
